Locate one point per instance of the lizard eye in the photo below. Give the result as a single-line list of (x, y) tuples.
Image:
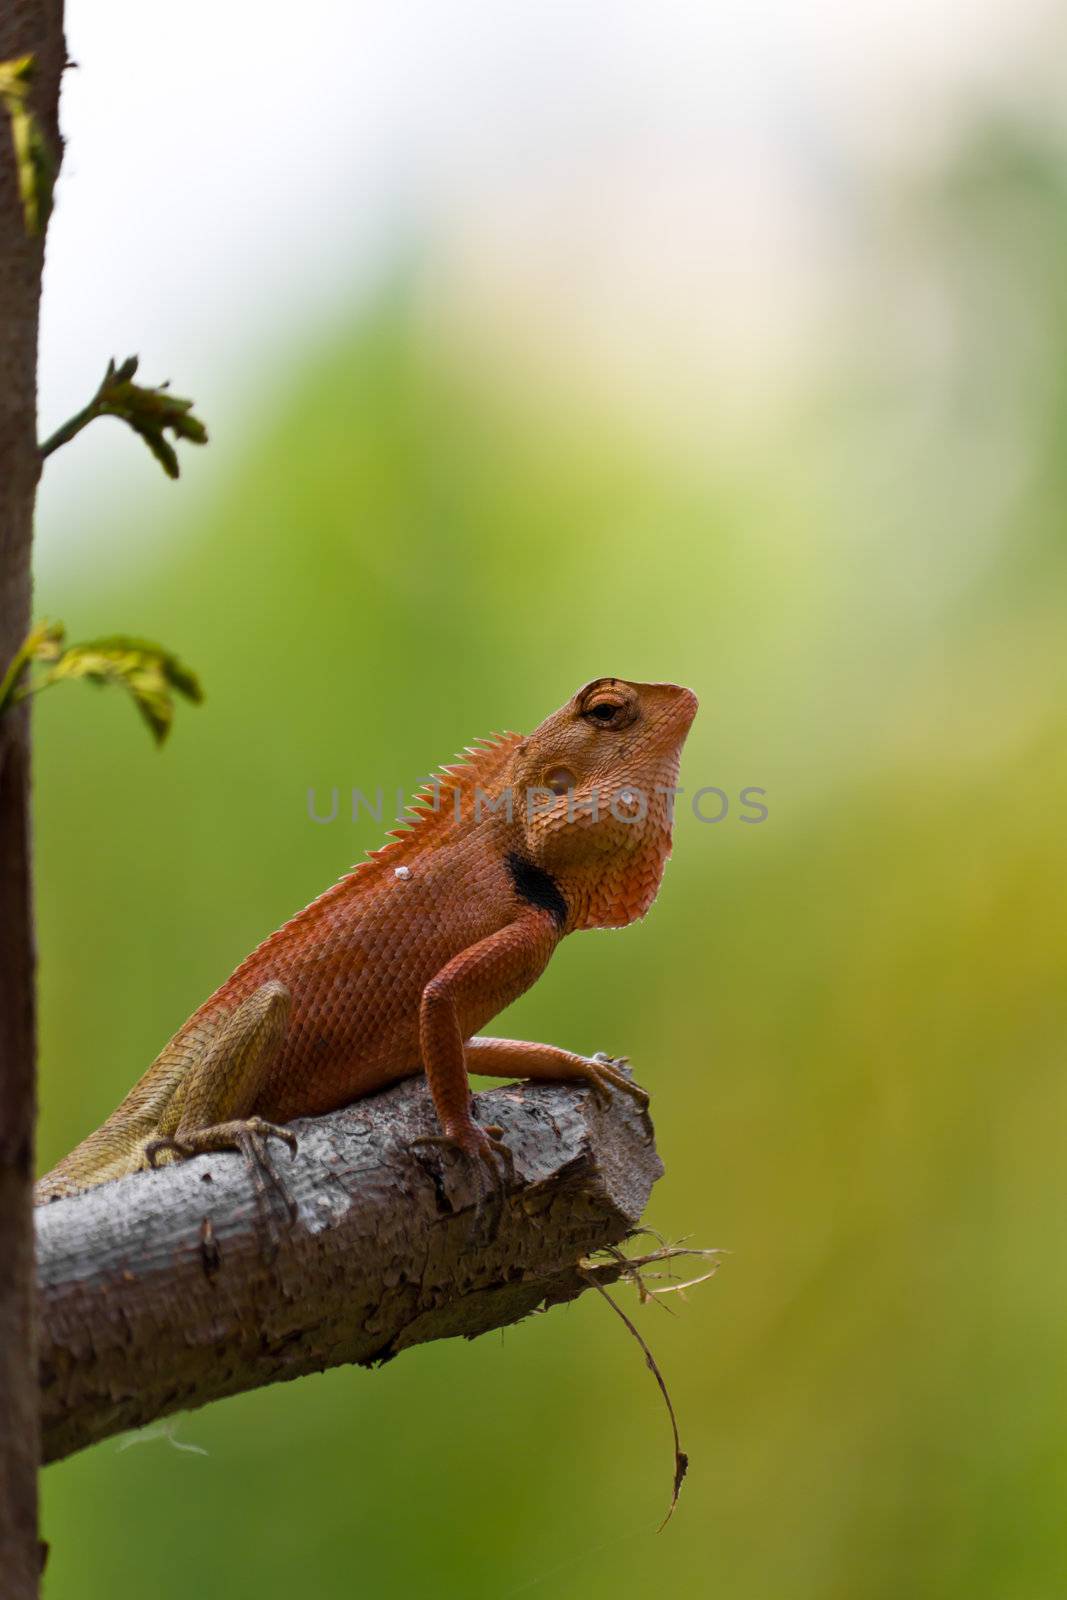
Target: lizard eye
[(609, 706)]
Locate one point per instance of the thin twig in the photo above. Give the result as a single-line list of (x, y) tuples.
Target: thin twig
[(72, 427), (681, 1460)]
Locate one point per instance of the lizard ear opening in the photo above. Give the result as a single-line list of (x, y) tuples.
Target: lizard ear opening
[(559, 779)]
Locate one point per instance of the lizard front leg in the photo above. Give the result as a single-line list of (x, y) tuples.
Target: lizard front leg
[(515, 1058), (476, 984), (211, 1107)]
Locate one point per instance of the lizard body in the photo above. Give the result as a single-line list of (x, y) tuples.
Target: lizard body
[(395, 968)]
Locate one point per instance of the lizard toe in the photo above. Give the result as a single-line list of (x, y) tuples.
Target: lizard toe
[(605, 1070), (493, 1165), (273, 1130), (156, 1147)]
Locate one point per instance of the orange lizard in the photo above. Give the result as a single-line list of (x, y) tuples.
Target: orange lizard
[(395, 968)]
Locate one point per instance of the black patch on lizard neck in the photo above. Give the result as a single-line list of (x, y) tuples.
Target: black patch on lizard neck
[(539, 887)]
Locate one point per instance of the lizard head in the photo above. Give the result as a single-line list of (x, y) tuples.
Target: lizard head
[(593, 795)]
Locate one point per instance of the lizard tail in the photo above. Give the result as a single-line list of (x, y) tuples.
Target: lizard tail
[(117, 1146)]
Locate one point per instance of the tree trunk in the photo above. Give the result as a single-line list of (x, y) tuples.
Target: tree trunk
[(26, 26), (163, 1291)]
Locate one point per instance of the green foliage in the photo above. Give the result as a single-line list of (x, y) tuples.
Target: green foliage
[(34, 162), (852, 1018), (150, 412), (148, 673), (42, 643)]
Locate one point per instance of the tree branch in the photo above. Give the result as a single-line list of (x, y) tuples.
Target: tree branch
[(160, 1292), (26, 27)]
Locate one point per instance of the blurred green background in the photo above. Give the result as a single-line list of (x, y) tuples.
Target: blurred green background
[(851, 1017)]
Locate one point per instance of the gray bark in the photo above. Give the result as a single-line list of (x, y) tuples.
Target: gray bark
[(163, 1291), (25, 26)]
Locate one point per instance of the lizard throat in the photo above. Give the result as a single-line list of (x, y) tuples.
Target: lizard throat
[(538, 887)]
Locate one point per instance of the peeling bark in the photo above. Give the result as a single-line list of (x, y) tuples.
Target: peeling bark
[(162, 1291)]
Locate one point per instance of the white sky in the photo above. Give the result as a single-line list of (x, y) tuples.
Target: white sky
[(236, 172)]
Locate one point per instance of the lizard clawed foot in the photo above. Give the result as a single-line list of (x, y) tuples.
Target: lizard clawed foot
[(485, 1149), (603, 1074), (250, 1137)]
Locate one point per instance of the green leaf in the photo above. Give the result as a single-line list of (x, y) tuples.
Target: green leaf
[(151, 413), (150, 674), (44, 642), (34, 162)]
